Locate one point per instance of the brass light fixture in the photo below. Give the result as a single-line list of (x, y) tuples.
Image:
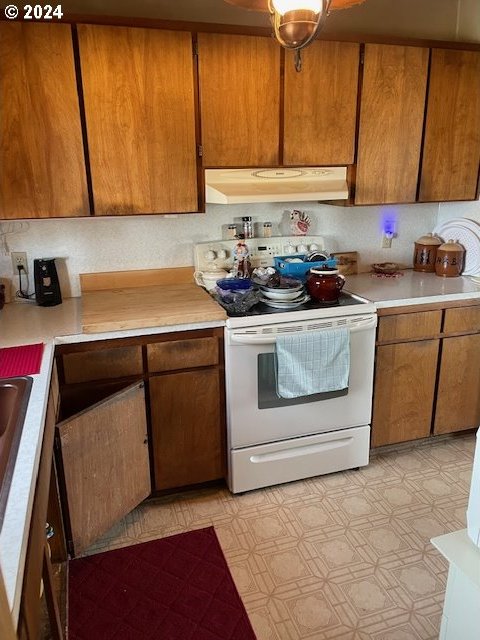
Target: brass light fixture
[(296, 23)]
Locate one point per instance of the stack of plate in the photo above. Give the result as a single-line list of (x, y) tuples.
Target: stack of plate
[(284, 298), (467, 233)]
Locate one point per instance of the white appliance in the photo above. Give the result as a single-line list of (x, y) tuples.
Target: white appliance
[(234, 186), (272, 440), (473, 510)]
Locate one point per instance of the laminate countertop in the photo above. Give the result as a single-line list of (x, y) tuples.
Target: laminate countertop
[(411, 287)]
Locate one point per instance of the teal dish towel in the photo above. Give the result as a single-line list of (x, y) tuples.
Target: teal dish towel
[(312, 362)]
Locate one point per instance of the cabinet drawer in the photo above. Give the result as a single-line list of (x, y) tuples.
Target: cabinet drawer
[(182, 354), (462, 319), (104, 364), (406, 326)]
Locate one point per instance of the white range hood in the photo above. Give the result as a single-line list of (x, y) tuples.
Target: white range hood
[(236, 186)]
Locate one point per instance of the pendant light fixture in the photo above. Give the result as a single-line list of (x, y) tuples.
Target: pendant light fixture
[(296, 23)]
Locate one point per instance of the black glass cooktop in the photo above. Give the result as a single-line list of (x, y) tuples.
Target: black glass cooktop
[(261, 308)]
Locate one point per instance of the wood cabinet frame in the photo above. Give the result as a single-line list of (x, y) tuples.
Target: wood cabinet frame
[(458, 321), (209, 358)]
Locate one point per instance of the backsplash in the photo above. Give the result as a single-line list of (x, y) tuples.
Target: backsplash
[(147, 242)]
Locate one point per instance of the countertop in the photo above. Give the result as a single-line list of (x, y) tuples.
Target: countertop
[(459, 550), (411, 288), (26, 323)]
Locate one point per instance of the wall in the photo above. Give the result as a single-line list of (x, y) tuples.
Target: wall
[(145, 242), (449, 210), (469, 20)]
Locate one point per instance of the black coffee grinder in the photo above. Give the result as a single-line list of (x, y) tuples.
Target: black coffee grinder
[(47, 286)]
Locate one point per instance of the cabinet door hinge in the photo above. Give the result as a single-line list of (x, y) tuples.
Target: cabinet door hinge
[(200, 150), (195, 48), (362, 57), (70, 549)]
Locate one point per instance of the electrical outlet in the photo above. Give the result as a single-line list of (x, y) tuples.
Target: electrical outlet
[(387, 241), (19, 259)]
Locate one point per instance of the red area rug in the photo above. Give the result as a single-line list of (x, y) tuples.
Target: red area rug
[(176, 588)]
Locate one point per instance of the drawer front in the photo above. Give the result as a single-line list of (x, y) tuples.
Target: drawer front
[(407, 326), (462, 319), (269, 464), (182, 354), (104, 364)]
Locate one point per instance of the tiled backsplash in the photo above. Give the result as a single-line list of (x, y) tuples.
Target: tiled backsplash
[(147, 242)]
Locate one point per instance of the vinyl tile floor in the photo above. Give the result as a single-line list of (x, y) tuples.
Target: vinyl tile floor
[(345, 556)]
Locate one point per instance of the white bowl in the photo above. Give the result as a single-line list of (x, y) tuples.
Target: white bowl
[(282, 294)]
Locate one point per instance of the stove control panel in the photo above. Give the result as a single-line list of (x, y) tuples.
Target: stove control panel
[(219, 253)]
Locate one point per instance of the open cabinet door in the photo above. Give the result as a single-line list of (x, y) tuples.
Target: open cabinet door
[(104, 455)]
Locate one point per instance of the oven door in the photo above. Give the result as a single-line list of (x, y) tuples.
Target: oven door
[(255, 414)]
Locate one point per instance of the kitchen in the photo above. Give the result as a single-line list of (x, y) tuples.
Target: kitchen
[(132, 243)]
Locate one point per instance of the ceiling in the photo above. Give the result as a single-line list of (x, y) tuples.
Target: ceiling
[(410, 18)]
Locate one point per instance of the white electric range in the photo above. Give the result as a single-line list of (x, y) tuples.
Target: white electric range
[(272, 440)]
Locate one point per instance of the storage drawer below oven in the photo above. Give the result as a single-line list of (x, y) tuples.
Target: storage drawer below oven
[(278, 462)]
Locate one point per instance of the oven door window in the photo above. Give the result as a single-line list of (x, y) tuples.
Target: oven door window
[(267, 386)]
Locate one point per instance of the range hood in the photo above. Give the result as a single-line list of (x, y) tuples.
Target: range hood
[(236, 186)]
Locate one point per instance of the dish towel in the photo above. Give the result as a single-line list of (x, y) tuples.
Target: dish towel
[(312, 362)]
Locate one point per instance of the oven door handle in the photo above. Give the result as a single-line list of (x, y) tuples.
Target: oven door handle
[(234, 338)]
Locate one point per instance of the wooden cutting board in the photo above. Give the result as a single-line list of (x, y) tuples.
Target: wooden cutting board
[(150, 306)]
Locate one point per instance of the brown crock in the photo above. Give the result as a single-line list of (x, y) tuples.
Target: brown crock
[(425, 254), (450, 257)]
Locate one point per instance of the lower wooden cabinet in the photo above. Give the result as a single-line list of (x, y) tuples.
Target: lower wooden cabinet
[(427, 375), (404, 391), (187, 428), (458, 397), (137, 414), (103, 454)]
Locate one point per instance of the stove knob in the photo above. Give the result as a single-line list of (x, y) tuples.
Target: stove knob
[(209, 255), (302, 248), (289, 249), (221, 254)]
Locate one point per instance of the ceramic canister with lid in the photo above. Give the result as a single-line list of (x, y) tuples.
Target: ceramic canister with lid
[(425, 253), (324, 284), (450, 257)]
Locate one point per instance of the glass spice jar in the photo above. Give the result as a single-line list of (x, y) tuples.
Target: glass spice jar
[(247, 227), (231, 231), (267, 229)]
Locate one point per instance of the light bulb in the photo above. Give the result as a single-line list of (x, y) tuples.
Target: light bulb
[(283, 6)]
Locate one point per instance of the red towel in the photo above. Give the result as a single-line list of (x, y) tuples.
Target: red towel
[(21, 361)]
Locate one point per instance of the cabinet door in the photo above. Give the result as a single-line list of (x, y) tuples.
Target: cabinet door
[(42, 165), (404, 391), (239, 100), (321, 105), (104, 457), (452, 135), (391, 123), (30, 604), (458, 397), (139, 104), (187, 429)]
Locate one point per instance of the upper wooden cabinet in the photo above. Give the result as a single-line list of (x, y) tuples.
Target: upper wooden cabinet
[(320, 105), (452, 136), (42, 165), (391, 123), (239, 100), (138, 87)]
